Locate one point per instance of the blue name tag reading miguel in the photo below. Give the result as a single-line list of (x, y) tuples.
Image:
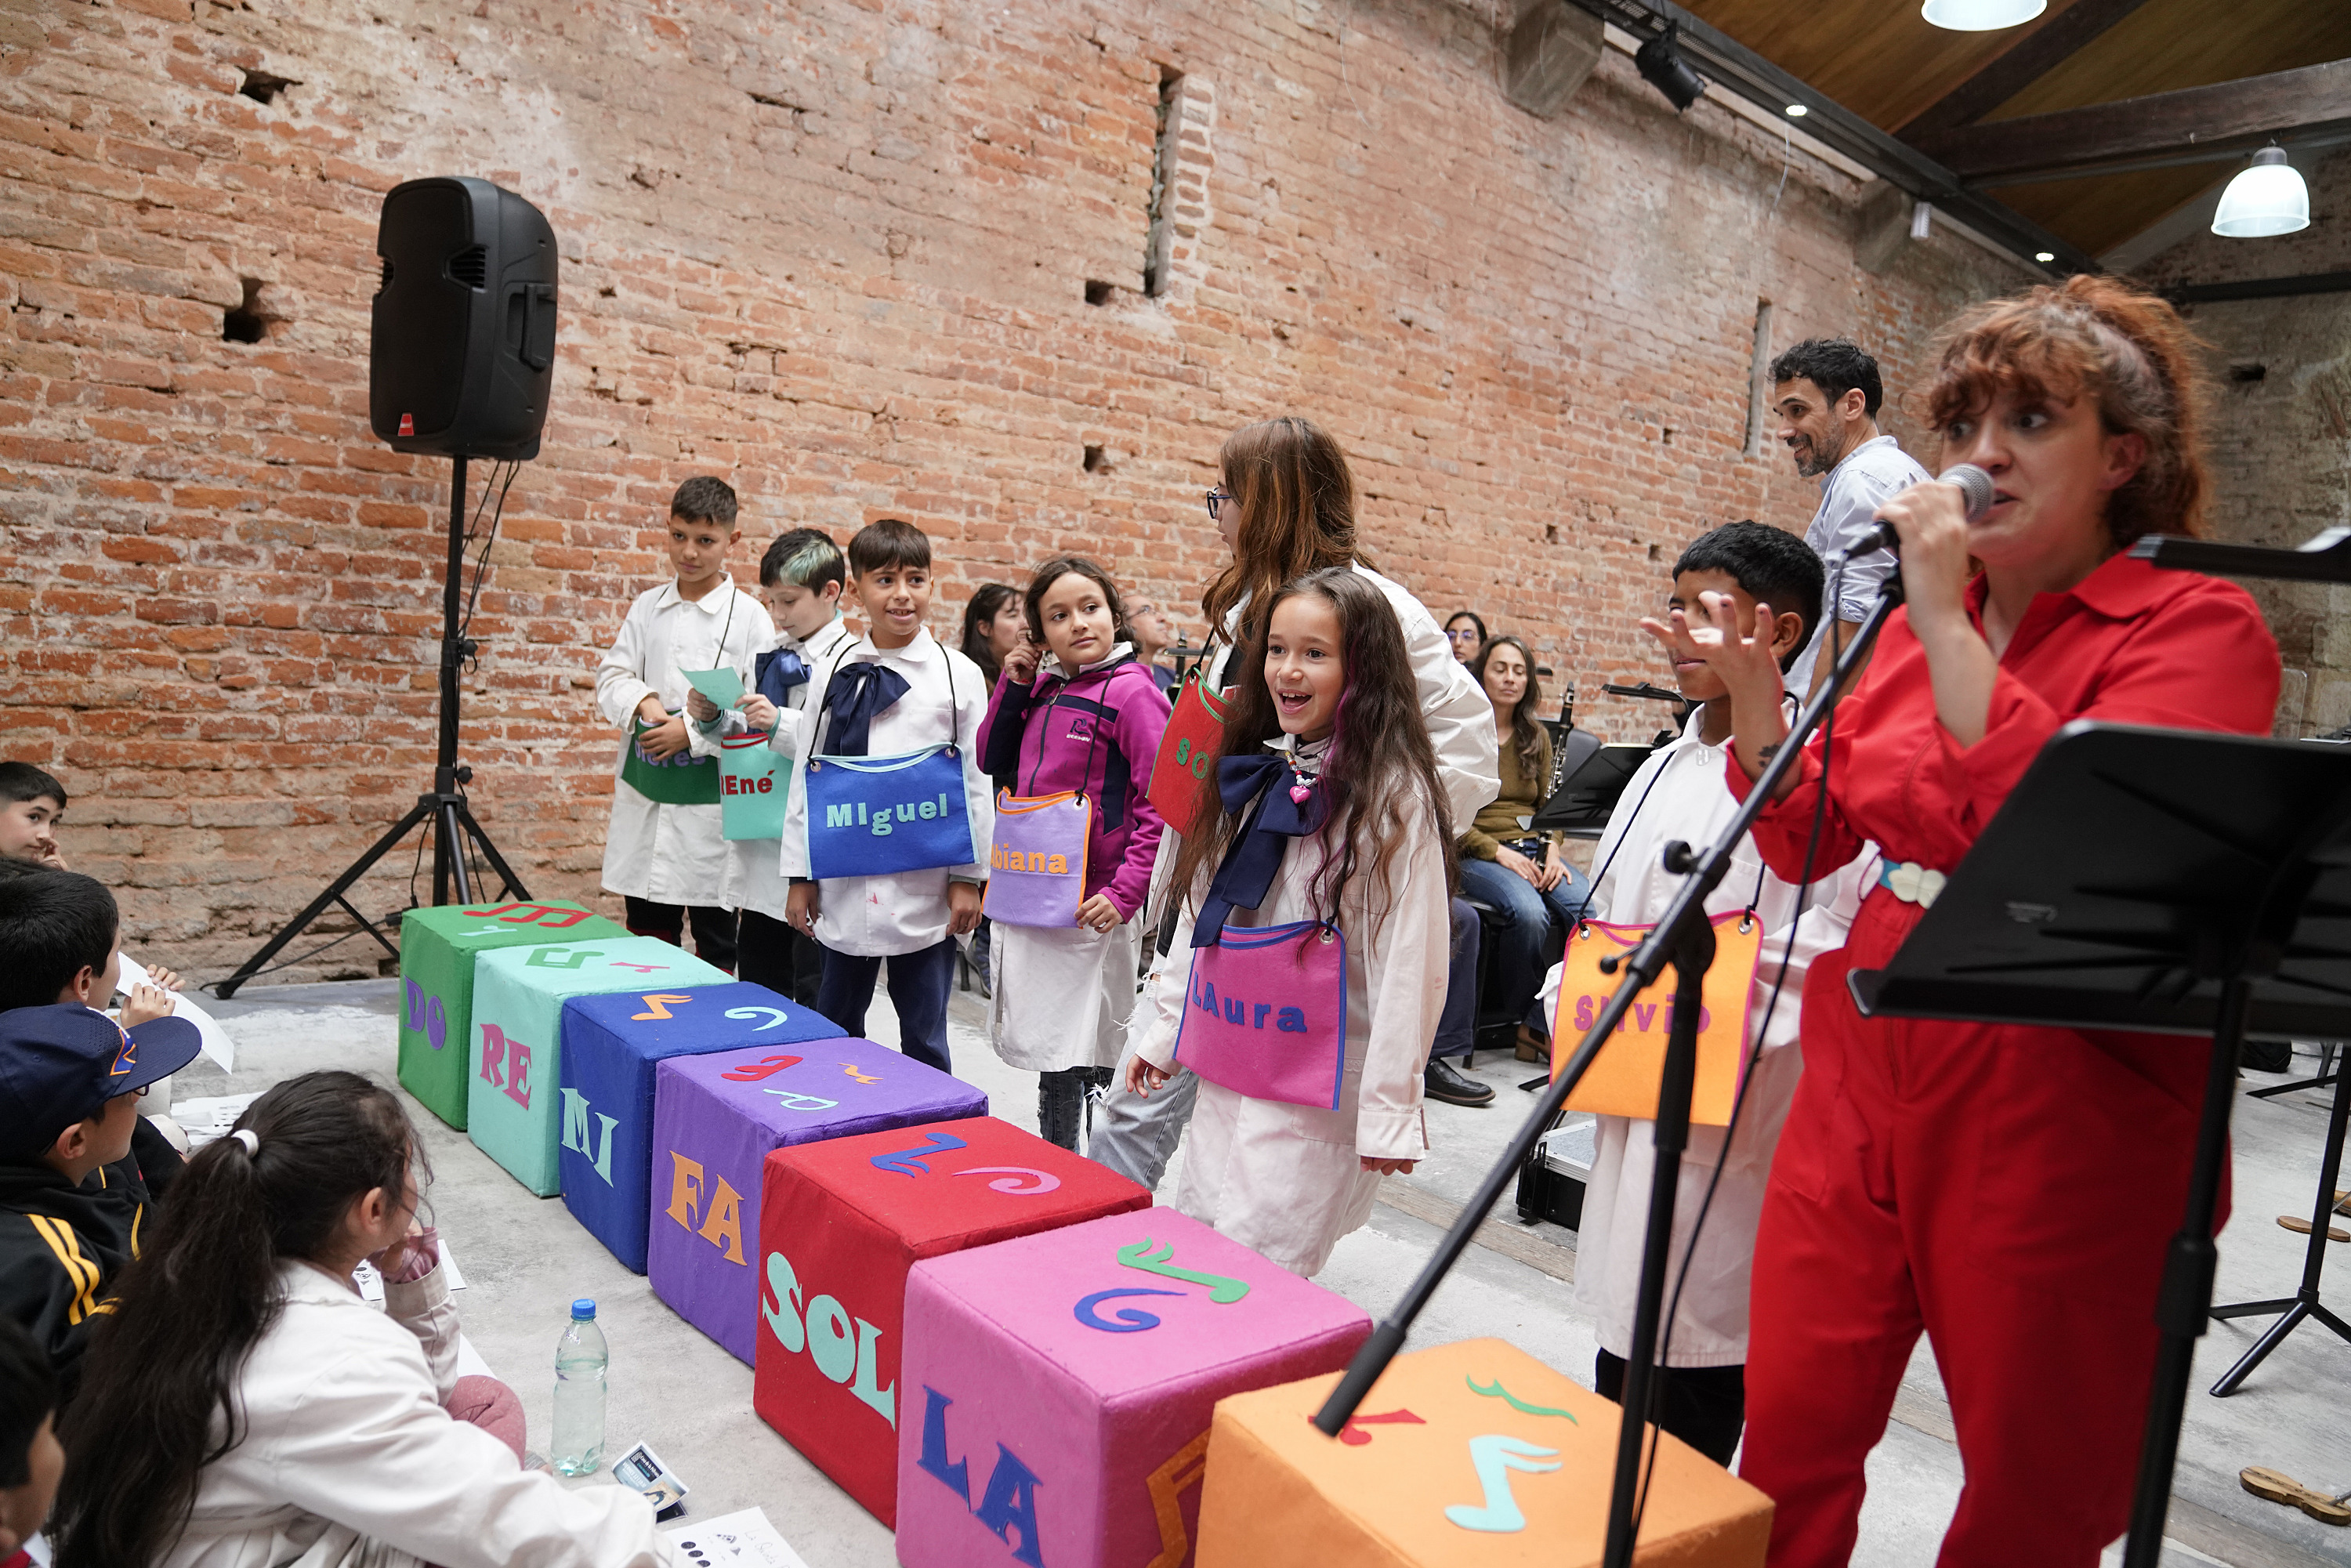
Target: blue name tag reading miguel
[(872, 816)]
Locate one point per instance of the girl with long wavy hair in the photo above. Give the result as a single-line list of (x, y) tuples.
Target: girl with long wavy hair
[(243, 1407), (2009, 1189), (1284, 504), (1328, 817)]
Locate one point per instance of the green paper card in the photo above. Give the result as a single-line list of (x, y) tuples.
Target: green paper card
[(724, 687)]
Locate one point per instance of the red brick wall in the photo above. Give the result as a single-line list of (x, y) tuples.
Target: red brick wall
[(836, 253)]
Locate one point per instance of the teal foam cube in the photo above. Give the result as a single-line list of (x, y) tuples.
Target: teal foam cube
[(513, 1109)]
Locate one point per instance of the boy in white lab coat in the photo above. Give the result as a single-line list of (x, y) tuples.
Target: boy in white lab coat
[(1679, 793), (801, 578), (665, 852), (894, 692)]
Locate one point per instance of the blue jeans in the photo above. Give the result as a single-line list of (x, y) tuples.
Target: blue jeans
[(1535, 924), (918, 989), (1456, 1026)]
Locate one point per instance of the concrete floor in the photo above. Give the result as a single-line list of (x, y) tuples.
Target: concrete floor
[(525, 1259)]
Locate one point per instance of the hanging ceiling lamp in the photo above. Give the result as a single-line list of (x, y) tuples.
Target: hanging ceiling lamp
[(2267, 199), (1981, 15)]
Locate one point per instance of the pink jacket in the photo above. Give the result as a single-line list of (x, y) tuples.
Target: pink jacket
[(1098, 733)]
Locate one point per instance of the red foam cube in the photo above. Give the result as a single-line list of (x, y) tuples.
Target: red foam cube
[(841, 1223)]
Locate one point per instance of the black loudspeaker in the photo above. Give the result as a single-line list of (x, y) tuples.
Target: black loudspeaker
[(461, 356)]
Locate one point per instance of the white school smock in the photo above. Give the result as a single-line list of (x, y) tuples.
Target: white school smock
[(755, 878), (1690, 802), (671, 854), (1461, 718), (347, 1459), (1287, 1179), (946, 699)]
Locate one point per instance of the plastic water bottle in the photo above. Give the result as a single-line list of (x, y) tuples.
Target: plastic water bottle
[(580, 1359)]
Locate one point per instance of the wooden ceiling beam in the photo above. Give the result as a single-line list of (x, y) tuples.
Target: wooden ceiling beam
[(2010, 72), (2197, 120)]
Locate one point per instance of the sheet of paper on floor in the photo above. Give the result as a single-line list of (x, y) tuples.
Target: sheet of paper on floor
[(216, 1043), (745, 1538), (208, 1119)]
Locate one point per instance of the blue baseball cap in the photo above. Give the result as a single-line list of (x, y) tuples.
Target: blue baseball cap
[(59, 1065)]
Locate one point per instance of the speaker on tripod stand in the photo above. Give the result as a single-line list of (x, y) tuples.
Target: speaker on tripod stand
[(461, 360)]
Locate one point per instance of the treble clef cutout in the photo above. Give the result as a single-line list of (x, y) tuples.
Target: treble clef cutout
[(755, 1072), (1008, 1179), (773, 1015), (1494, 1455), (1139, 1255)]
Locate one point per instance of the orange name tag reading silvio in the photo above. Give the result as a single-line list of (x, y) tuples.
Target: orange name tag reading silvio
[(1624, 1078)]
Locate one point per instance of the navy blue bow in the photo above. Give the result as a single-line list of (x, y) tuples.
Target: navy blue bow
[(779, 670), (1254, 854), (857, 694)]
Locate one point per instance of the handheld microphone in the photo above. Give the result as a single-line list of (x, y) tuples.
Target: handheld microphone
[(1975, 488)]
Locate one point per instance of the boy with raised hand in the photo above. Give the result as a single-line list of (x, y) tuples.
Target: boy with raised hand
[(895, 691), (665, 852), (801, 579), (74, 1192), (1679, 793)]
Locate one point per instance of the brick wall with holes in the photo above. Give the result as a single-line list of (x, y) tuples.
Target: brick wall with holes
[(2281, 426), (863, 261)]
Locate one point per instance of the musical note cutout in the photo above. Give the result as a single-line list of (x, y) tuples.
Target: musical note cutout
[(1008, 1179), (765, 1068), (1130, 1320), (909, 1162), (1496, 1391), (1139, 1255), (1494, 1457), (1184, 1469), (774, 1016), (850, 1068), (1354, 1438), (640, 969), (658, 1004), (557, 958)]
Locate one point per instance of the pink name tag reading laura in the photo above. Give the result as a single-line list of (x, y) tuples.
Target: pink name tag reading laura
[(1265, 1013)]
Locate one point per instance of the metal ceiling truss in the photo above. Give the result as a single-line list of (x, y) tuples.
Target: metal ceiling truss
[(1736, 69)]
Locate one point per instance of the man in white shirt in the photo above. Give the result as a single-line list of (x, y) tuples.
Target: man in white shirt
[(665, 852), (1826, 393)]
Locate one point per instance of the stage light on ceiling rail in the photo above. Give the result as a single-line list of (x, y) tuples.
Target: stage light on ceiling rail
[(1661, 65), (1981, 15), (2269, 198), (1797, 111), (2044, 256)]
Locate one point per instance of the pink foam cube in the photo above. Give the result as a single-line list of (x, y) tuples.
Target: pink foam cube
[(1055, 1390)]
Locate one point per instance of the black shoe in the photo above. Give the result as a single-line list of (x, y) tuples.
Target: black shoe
[(1444, 1081)]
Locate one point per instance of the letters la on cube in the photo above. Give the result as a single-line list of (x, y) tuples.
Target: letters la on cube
[(840, 1224), (716, 1118), (436, 973), (513, 1107), (611, 1044), (1055, 1391), (1468, 1453)]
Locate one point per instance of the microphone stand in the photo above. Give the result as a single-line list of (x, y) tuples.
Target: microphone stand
[(1683, 937)]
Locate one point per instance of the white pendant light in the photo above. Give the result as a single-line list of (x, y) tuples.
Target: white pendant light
[(2267, 199), (1981, 15)]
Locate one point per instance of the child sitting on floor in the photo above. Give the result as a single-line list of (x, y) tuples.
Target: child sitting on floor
[(1328, 825), (243, 1404), (1090, 723), (896, 732)]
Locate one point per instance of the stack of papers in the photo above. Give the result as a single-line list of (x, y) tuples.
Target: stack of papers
[(206, 1120)]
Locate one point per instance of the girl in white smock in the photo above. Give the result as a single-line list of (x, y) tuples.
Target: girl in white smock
[(1308, 1044)]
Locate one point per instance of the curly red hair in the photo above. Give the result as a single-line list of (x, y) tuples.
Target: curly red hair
[(2098, 337)]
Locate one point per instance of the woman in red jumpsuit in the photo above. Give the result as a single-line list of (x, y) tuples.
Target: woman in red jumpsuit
[(2009, 1190)]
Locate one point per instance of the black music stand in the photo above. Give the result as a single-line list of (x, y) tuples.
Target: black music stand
[(1580, 806), (2160, 882), (2304, 1302)]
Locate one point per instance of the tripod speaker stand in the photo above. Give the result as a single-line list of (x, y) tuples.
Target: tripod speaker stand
[(444, 807)]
